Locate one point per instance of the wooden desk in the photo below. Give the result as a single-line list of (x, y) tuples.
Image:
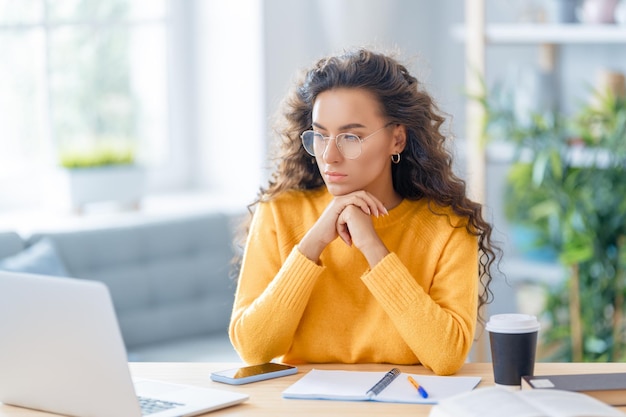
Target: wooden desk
[(266, 400)]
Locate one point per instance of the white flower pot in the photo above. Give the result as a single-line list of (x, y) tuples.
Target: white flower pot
[(122, 184)]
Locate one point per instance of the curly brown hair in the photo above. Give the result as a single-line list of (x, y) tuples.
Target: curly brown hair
[(425, 169)]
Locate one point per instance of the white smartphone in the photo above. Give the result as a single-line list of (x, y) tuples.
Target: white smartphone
[(253, 373)]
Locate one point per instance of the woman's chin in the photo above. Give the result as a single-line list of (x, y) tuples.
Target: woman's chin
[(338, 190)]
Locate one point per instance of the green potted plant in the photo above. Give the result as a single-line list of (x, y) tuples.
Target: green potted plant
[(106, 170), (567, 182), (101, 154)]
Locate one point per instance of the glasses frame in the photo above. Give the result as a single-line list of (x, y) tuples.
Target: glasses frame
[(335, 138)]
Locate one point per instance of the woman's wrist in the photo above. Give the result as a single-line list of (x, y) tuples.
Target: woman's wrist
[(374, 253), (311, 248)]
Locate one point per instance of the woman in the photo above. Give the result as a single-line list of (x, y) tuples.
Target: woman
[(363, 247)]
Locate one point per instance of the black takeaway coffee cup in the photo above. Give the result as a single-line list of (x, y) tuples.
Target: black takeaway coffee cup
[(513, 339)]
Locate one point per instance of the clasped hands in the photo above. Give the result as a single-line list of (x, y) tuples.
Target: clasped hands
[(348, 217)]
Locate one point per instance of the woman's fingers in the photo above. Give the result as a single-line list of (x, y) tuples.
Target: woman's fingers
[(333, 221), (344, 233), (368, 203)]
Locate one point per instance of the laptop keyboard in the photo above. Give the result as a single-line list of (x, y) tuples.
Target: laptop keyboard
[(152, 405)]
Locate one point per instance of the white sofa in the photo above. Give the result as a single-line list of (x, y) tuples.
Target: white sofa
[(170, 279)]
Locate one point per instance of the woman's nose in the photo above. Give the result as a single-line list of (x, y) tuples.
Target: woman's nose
[(331, 153)]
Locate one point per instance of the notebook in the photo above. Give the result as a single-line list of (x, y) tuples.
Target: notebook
[(62, 352), (607, 387), (362, 386)]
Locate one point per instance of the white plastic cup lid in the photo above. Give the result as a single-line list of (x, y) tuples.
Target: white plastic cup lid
[(512, 323)]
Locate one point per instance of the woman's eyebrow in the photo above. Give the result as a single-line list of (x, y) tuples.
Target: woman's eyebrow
[(344, 127)]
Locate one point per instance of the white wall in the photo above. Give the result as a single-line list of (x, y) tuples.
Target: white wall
[(230, 119), (297, 33), (418, 31)]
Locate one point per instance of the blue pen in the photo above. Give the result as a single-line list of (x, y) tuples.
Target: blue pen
[(418, 387)]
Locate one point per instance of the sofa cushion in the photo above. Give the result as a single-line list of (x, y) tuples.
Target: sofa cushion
[(39, 258), (10, 244)]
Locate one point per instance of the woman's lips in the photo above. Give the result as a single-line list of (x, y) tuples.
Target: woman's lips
[(333, 176)]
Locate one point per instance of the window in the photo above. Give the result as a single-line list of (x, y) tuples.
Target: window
[(172, 78), (79, 72)]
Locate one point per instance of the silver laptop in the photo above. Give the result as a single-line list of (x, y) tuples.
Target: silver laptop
[(61, 351)]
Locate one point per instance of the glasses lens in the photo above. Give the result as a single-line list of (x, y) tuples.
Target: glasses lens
[(349, 145), (315, 144), (309, 140)]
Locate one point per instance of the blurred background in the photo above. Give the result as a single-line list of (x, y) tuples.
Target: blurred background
[(183, 91)]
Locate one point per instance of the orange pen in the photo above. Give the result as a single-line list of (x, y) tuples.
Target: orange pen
[(418, 387)]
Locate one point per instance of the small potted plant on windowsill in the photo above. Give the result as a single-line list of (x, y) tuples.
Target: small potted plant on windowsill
[(105, 171)]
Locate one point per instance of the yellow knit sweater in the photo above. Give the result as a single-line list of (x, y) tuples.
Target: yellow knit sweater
[(418, 305)]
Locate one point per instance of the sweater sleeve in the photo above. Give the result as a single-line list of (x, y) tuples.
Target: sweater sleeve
[(438, 322), (272, 293)]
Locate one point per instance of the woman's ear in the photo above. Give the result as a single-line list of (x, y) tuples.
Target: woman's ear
[(399, 138)]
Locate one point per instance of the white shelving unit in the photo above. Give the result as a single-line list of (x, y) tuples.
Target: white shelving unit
[(547, 37), (477, 36), (562, 34)]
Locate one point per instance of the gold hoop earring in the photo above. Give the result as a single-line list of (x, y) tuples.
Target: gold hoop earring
[(395, 158)]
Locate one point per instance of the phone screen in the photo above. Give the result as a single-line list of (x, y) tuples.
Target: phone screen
[(248, 371)]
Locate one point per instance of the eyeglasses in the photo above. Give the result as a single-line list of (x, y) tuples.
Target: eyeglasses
[(348, 144)]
